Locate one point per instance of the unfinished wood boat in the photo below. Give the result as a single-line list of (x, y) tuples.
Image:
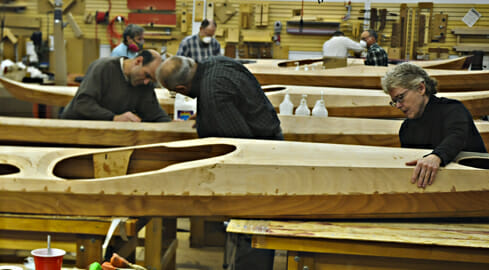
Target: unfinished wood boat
[(365, 77), (344, 102), (32, 131), (240, 178), (341, 102), (36, 131), (459, 63), (56, 95)]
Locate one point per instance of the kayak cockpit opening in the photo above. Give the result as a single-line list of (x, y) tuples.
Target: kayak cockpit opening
[(6, 169), (138, 160), (475, 162), (273, 89)]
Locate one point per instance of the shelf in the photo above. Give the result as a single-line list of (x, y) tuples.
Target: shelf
[(475, 31), (312, 28), (468, 47), (471, 31)]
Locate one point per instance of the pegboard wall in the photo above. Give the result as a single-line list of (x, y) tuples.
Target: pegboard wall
[(248, 20)]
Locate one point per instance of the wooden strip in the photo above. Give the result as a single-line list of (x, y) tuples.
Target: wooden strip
[(111, 164), (20, 21), (22, 244), (62, 225), (452, 204), (367, 248), (481, 31)]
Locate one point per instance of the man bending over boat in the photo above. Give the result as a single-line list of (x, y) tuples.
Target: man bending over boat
[(119, 89), (444, 125), (230, 101)]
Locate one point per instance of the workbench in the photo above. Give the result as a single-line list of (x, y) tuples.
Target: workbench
[(372, 245)]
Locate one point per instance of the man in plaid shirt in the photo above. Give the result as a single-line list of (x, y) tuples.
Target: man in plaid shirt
[(376, 56), (201, 45)]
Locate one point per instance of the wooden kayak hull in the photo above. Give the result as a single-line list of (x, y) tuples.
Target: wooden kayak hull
[(341, 102), (32, 131), (365, 77), (459, 63), (344, 102), (60, 96), (239, 178)]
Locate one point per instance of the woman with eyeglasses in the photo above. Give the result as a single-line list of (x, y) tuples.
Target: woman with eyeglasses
[(442, 124)]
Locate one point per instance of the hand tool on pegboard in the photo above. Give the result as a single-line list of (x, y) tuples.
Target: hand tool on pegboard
[(439, 28), (380, 16), (348, 11)]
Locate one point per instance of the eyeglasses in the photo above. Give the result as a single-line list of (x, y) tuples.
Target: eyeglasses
[(398, 99)]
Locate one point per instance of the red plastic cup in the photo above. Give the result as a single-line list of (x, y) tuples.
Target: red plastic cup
[(45, 260)]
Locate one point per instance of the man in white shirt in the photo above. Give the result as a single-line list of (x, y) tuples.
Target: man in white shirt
[(338, 46)]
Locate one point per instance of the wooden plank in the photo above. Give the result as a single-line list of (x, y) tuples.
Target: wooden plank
[(245, 14), (112, 164), (209, 11), (153, 243), (439, 27), (480, 31), (232, 35), (264, 14), (184, 20), (291, 207), (76, 225), (458, 234), (199, 11), (258, 12), (88, 250), (404, 18), (160, 234), (20, 21), (256, 36), (467, 47), (367, 248), (327, 261), (23, 244)]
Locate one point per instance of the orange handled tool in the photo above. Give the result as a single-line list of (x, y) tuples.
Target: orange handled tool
[(119, 261)]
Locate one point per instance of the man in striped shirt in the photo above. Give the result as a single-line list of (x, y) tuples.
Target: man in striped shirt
[(230, 101), (376, 56), (201, 45)]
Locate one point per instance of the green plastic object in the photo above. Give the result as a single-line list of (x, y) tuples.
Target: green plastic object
[(95, 266)]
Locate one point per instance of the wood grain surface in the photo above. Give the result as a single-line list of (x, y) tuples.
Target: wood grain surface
[(231, 177)]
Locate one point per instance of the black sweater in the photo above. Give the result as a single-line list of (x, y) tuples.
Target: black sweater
[(446, 126)]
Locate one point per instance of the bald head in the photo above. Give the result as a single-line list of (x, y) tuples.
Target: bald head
[(208, 28), (176, 71)]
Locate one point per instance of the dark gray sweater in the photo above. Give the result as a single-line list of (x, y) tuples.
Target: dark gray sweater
[(105, 93)]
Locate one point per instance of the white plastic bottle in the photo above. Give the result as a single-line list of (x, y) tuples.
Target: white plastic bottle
[(319, 108), (286, 107), (303, 109), (184, 107)]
